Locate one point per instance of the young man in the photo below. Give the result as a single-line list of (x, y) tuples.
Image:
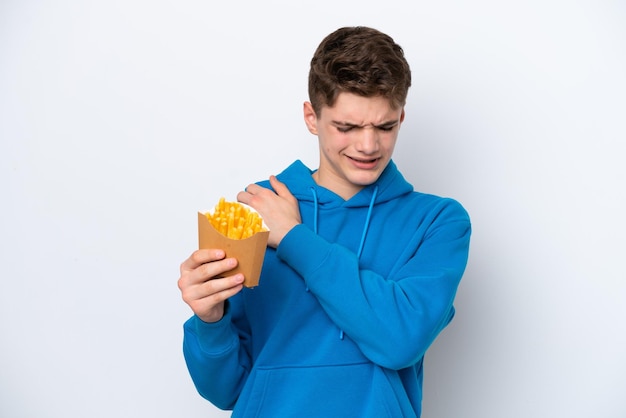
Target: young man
[(360, 273)]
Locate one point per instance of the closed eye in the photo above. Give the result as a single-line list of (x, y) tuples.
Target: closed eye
[(345, 128)]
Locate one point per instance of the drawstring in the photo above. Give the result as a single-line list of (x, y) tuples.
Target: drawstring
[(315, 210), (365, 229), (363, 235), (367, 222)]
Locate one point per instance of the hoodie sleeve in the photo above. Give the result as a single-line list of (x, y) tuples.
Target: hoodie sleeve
[(217, 358), (392, 319)]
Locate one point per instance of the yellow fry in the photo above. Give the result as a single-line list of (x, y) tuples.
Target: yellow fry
[(235, 220)]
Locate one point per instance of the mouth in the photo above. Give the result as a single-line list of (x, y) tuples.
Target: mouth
[(364, 163)]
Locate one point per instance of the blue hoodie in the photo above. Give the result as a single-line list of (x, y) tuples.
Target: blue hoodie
[(345, 309)]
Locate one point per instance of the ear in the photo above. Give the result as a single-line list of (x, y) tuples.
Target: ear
[(310, 118), (402, 116)]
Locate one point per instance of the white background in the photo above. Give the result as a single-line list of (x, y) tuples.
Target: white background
[(119, 120)]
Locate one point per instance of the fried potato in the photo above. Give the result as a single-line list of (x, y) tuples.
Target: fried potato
[(235, 220)]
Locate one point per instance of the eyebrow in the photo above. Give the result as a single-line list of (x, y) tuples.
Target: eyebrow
[(386, 124)]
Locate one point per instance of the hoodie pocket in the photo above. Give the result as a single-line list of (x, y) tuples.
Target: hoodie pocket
[(354, 390)]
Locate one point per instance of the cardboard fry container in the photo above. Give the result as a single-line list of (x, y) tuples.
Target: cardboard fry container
[(249, 252)]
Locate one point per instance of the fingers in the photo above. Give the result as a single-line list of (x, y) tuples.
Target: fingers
[(204, 265), (281, 189), (277, 206), (203, 296), (200, 257), (204, 284), (255, 193), (214, 290), (207, 299)]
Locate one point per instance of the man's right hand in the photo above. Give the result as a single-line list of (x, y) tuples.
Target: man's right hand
[(201, 289)]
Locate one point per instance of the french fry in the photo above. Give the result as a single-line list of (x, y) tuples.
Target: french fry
[(234, 220)]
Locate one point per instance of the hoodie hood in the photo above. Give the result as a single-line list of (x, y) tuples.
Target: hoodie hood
[(299, 180)]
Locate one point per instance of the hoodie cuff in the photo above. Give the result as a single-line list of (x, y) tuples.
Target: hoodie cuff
[(303, 250), (212, 337)]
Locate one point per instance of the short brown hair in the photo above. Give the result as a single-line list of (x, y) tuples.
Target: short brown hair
[(358, 60)]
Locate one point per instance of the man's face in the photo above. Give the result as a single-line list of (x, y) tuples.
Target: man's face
[(356, 139)]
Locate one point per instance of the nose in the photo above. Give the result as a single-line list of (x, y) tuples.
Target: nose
[(368, 140)]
